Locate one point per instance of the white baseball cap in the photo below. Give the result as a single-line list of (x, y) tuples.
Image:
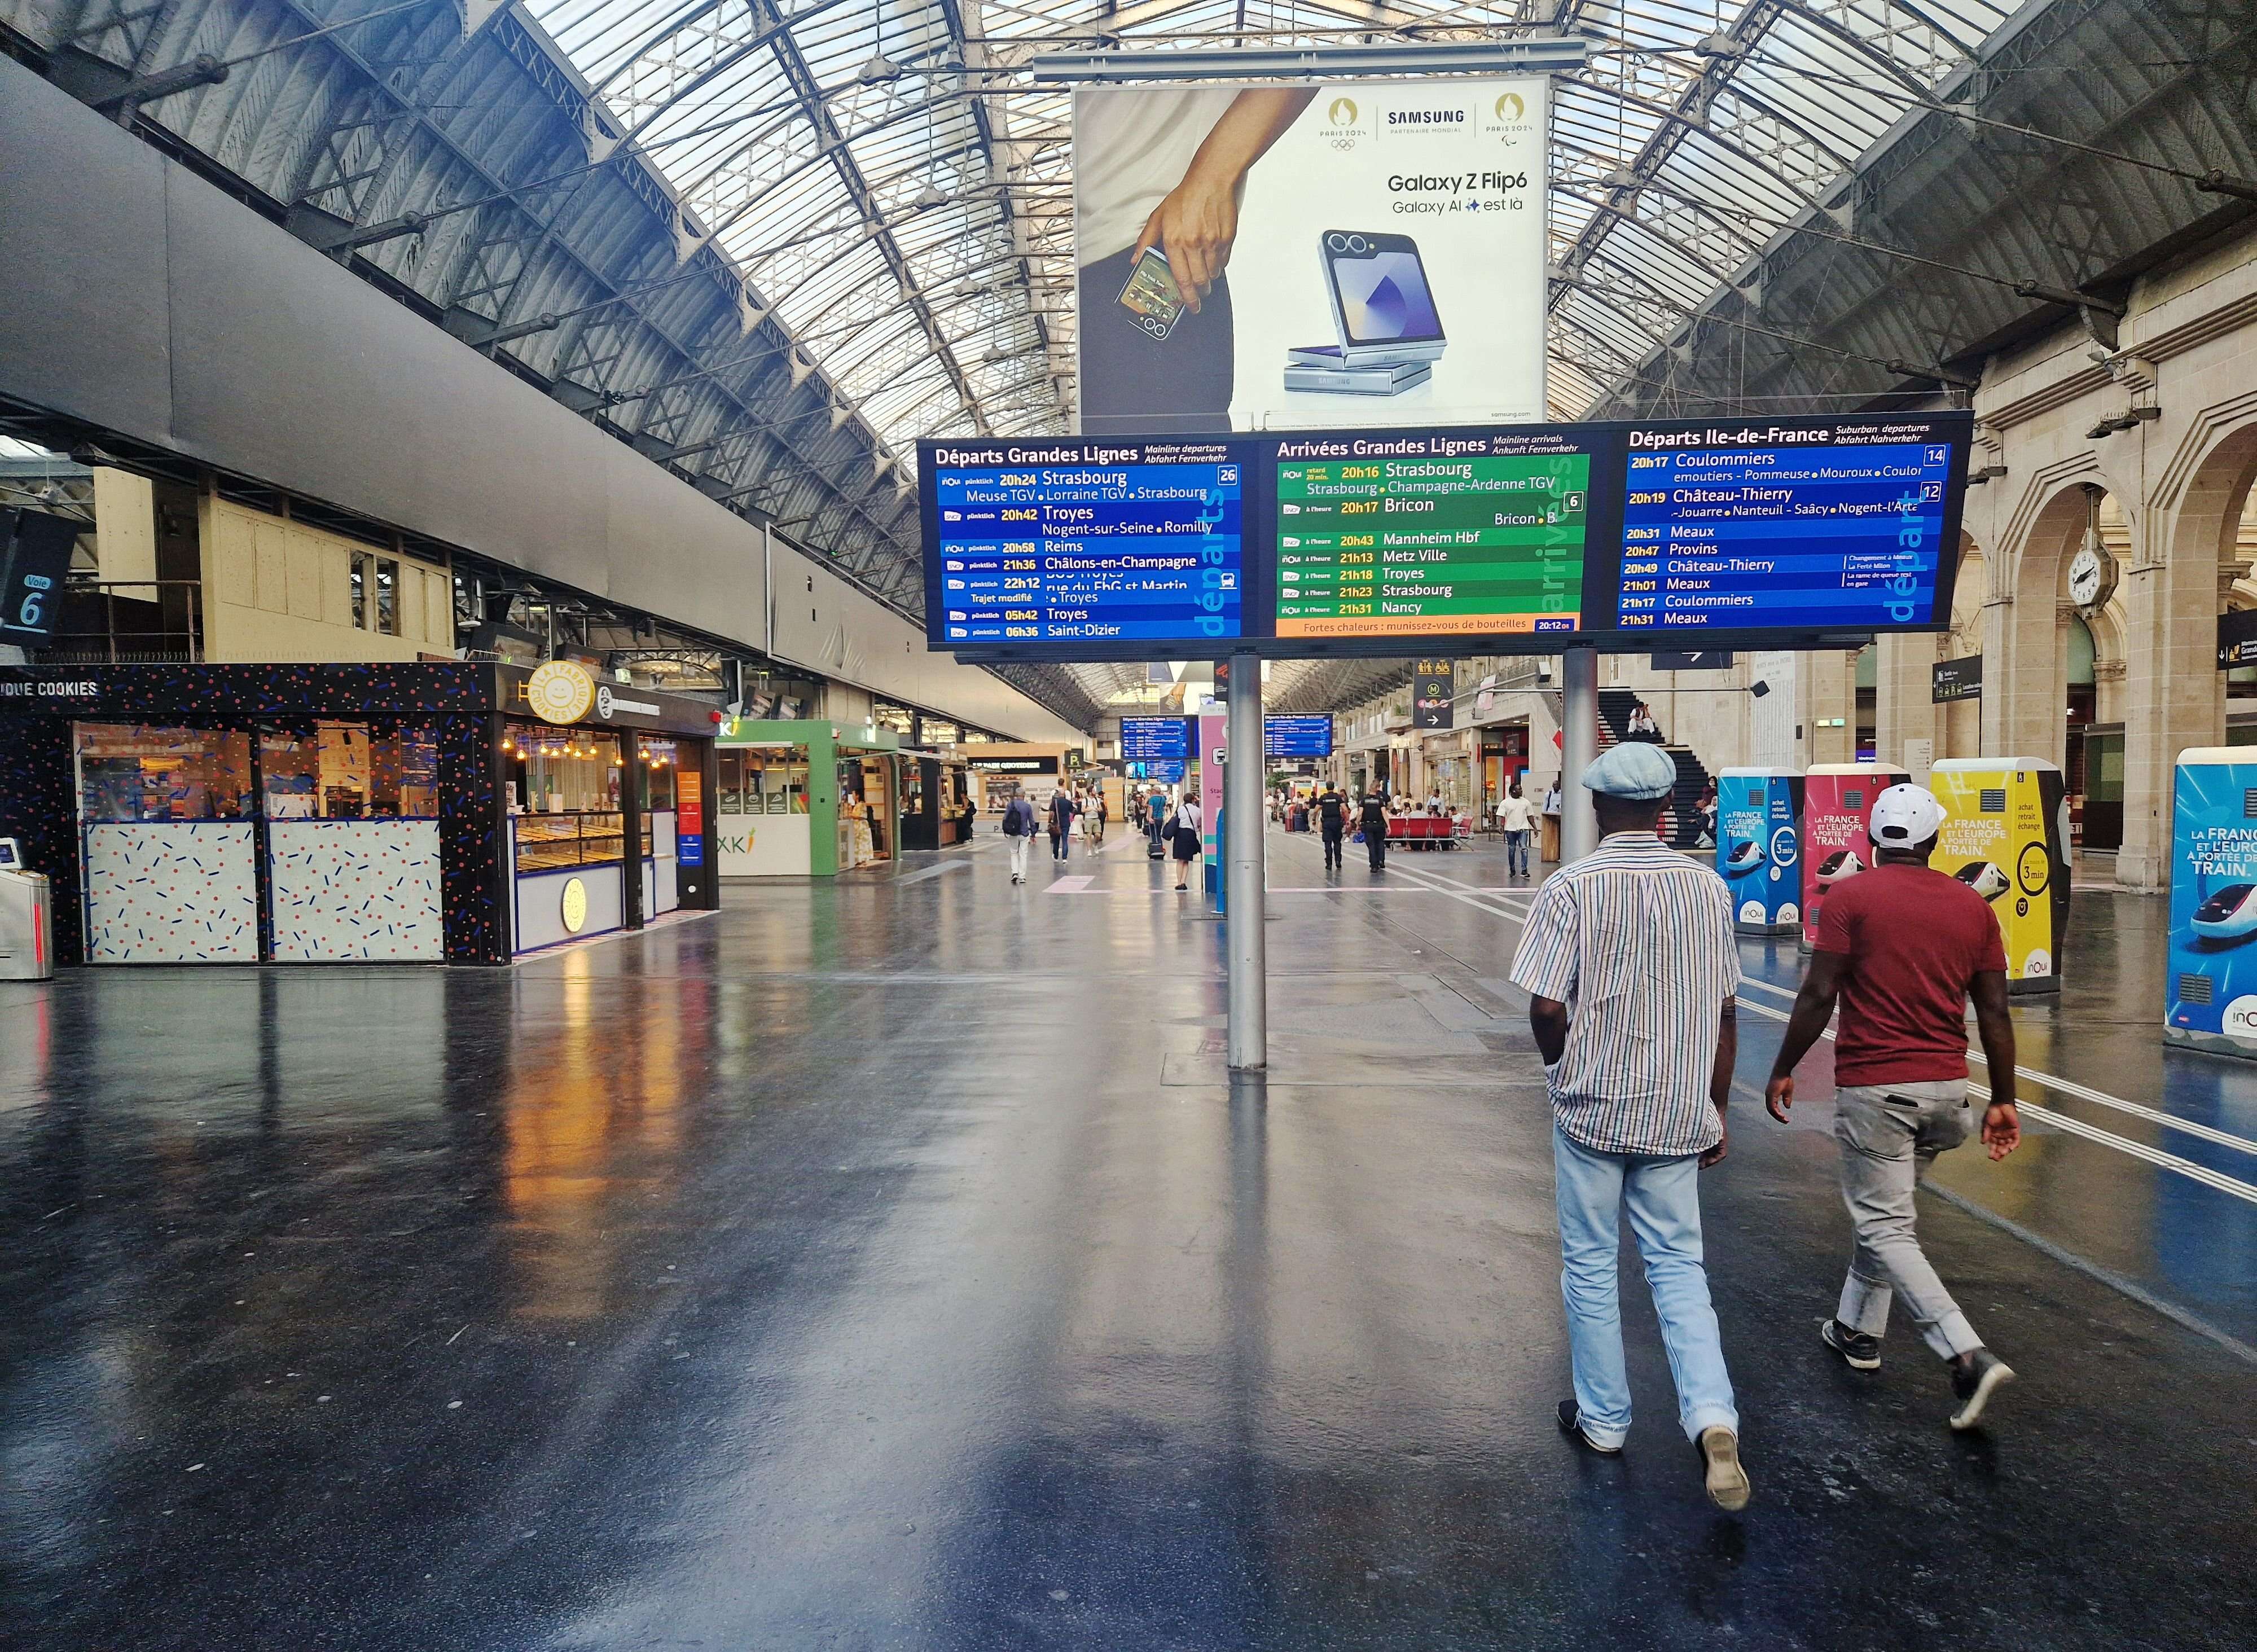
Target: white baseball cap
[(1905, 816)]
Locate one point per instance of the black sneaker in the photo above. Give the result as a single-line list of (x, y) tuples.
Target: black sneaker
[(1858, 1351), (1974, 1383), (1571, 1424)]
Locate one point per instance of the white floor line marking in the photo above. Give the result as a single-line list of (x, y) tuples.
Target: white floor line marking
[(1072, 886), (2073, 1127), (2186, 1168), (2070, 1087)]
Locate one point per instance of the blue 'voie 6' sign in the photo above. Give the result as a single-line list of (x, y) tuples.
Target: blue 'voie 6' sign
[(35, 553)]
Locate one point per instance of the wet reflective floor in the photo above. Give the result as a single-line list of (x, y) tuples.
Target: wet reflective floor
[(889, 1264)]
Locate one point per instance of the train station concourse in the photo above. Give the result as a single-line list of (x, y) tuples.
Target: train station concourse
[(1214, 827)]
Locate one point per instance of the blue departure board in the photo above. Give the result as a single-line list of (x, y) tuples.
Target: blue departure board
[(1804, 533), (1733, 531), (1154, 739), (1086, 543), (1297, 736)]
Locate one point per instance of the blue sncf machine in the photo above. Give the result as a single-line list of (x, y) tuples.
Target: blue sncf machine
[(1760, 848), (2211, 981)]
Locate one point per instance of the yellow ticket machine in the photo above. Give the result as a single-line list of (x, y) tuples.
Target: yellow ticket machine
[(2005, 836)]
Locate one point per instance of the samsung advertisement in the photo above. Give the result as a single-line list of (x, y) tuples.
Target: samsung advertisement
[(1261, 258), (1789, 532)]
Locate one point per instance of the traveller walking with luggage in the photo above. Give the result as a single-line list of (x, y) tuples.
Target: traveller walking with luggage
[(1062, 816), (1019, 829), (1182, 832), (1097, 817), (1516, 816), (1901, 948), (1331, 824), (1630, 967), (1371, 821)]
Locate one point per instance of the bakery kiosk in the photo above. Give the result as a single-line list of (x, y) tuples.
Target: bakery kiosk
[(438, 812)]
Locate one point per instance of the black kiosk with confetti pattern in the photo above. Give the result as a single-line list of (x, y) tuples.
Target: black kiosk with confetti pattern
[(440, 812)]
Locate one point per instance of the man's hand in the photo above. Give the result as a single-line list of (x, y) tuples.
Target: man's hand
[(1778, 1095), (1716, 1154), (1194, 225), (2002, 1129)]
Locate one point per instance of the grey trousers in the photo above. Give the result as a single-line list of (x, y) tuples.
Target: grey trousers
[(1890, 1135)]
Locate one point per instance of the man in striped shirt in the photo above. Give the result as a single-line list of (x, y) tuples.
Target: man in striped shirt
[(1630, 967)]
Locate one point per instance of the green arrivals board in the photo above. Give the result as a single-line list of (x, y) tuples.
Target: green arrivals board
[(1431, 547)]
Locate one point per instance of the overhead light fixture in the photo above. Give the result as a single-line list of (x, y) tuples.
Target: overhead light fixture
[(927, 198), (879, 69), (1621, 178), (1718, 45), (1536, 53)]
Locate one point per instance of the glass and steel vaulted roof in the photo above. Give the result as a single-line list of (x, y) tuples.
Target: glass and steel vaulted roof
[(896, 187)]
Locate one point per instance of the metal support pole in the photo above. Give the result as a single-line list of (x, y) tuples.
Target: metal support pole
[(1579, 749), (1243, 820)]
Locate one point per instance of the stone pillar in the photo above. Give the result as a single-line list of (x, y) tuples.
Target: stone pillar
[(1903, 709), (2174, 693)]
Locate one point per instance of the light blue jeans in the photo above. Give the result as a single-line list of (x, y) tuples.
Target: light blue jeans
[(1663, 1197), (1516, 852)]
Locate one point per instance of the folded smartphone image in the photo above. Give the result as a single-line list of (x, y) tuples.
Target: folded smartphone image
[(1151, 295), (1382, 305), (1363, 379)]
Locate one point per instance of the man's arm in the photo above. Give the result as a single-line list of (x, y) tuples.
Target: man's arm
[(1813, 1007), (1197, 223), (2002, 1122), (1548, 1019), (1720, 1077)]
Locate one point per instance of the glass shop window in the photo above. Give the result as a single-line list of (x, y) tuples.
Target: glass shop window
[(350, 771), (555, 771), (763, 780), (376, 593), (657, 762), (135, 772)]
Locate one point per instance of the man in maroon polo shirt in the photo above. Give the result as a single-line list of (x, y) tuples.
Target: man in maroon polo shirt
[(1902, 948)]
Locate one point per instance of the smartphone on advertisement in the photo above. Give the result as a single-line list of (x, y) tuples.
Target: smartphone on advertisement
[(1151, 295), (1382, 305)]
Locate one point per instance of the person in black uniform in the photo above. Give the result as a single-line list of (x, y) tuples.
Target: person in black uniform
[(1331, 824), (1373, 823)]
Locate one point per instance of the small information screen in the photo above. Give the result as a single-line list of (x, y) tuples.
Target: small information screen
[(1430, 535), (1839, 536), (1154, 739), (1086, 543), (1297, 736)]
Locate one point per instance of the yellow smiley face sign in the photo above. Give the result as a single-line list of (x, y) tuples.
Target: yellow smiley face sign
[(573, 909), (560, 691)]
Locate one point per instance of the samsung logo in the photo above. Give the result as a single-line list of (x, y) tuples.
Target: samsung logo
[(1425, 118)]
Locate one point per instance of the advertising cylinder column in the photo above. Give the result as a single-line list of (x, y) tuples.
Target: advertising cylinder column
[(1837, 814), (2211, 985), (2005, 836), (1760, 848)]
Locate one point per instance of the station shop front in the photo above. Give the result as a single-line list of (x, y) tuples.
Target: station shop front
[(806, 798), (440, 812), (999, 771)]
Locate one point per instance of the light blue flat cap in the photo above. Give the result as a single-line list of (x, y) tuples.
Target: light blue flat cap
[(1634, 769)]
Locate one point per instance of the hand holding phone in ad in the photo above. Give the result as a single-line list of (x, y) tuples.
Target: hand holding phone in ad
[(1198, 221)]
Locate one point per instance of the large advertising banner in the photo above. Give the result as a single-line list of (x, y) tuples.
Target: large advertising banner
[(2211, 988), (1257, 258), (2005, 836), (1759, 847), (1837, 817)]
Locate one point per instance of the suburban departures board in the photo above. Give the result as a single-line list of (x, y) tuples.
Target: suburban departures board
[(1805, 530)]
